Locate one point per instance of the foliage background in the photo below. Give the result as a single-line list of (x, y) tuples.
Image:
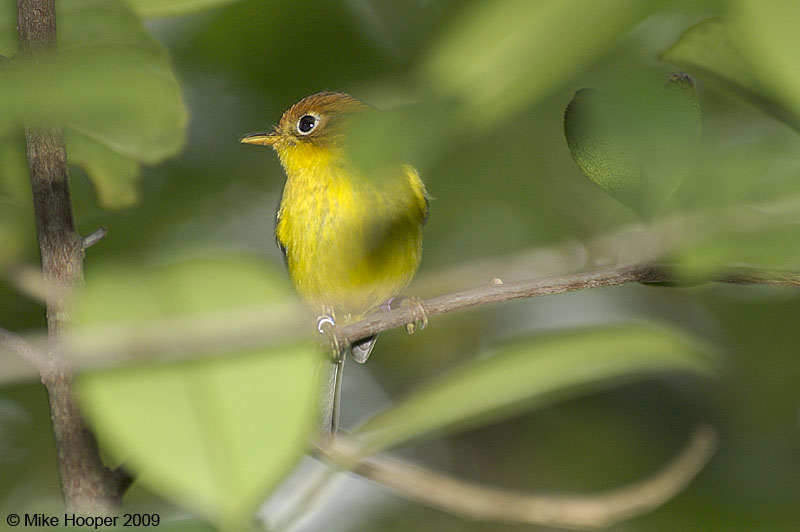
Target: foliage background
[(494, 158)]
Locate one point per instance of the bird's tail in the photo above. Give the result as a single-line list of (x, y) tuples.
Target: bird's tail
[(362, 348)]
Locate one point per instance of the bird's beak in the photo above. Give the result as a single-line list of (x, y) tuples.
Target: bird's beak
[(261, 139)]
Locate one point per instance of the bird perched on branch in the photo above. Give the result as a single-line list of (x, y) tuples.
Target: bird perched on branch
[(351, 241)]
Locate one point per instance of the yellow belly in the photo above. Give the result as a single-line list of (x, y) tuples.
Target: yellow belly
[(351, 243)]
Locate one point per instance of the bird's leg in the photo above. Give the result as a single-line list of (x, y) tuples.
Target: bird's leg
[(326, 324), (419, 318)]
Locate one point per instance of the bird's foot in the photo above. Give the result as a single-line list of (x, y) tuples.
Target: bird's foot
[(326, 324), (419, 316)]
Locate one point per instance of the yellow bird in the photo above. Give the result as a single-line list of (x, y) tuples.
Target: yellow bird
[(351, 241)]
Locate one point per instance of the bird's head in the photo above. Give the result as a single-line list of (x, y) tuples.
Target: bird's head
[(317, 123)]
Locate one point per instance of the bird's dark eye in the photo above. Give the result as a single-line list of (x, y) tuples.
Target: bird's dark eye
[(306, 124)]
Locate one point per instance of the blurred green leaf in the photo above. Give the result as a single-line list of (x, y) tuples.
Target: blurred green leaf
[(720, 51), (138, 109), (492, 59), (498, 57), (398, 29), (17, 225), (635, 145), (741, 236), (758, 171), (111, 82), (599, 150), (532, 373), (13, 235), (214, 434), (770, 40), (684, 101), (8, 28), (381, 141), (165, 8), (114, 175)]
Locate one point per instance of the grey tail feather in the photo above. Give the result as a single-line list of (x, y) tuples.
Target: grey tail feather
[(362, 348), (336, 407)]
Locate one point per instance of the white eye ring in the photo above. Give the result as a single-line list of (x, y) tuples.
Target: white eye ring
[(307, 123)]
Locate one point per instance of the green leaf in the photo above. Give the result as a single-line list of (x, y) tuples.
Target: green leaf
[(491, 60), (498, 57), (213, 434), (533, 373), (8, 28), (114, 175), (16, 205), (742, 236), (637, 143), (378, 142), (599, 149), (166, 8), (138, 111), (717, 50), (14, 237), (112, 84), (770, 39)]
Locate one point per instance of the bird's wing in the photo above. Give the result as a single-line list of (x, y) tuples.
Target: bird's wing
[(281, 244)]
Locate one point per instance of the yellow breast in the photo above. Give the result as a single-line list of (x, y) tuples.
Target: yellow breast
[(351, 242)]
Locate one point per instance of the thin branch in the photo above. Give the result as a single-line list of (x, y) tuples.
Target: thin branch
[(87, 486), (757, 276), (121, 479), (27, 279), (490, 294), (495, 292), (19, 345), (479, 502), (219, 334), (94, 237)]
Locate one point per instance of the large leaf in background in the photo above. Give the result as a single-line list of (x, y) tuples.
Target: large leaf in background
[(636, 144), (112, 87), (718, 50), (491, 60), (8, 28), (532, 373), (114, 175), (753, 55), (498, 57), (165, 8), (213, 434), (740, 235), (770, 39), (16, 205)]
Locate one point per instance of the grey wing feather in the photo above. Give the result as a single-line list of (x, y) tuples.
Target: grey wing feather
[(362, 348)]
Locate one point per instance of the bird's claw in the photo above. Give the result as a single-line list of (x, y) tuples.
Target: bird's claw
[(326, 324), (419, 316)]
